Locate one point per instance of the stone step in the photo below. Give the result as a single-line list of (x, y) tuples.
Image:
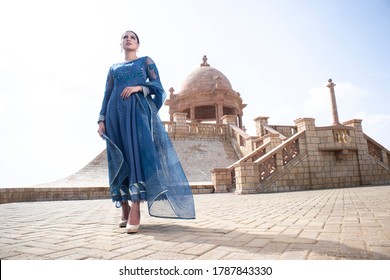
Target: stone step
[(198, 157)]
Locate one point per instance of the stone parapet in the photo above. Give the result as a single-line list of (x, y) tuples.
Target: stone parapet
[(32, 194), (196, 130), (202, 187), (9, 195)]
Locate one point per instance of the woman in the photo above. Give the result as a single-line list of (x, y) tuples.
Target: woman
[(142, 163)]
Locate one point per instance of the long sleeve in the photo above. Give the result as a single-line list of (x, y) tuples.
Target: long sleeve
[(107, 94), (155, 88)]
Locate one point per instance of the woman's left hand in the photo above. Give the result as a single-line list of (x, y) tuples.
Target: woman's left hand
[(129, 91)]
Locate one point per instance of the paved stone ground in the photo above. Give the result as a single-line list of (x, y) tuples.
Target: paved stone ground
[(350, 223)]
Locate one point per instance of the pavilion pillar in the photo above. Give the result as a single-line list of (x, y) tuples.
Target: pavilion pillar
[(192, 113)]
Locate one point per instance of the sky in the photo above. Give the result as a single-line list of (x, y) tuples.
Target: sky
[(55, 55)]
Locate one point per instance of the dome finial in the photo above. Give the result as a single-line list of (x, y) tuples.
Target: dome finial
[(204, 61)]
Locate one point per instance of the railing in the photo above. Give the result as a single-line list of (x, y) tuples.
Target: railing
[(267, 167), (239, 135), (169, 126), (205, 127), (253, 156), (288, 150), (265, 159), (258, 142), (274, 131), (374, 150), (259, 152), (377, 151), (201, 129), (233, 177)]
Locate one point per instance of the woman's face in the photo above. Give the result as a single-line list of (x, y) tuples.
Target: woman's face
[(129, 42)]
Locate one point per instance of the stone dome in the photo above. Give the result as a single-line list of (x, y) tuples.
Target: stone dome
[(205, 79), (206, 95)]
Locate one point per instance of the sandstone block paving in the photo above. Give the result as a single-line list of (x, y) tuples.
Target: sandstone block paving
[(348, 223)]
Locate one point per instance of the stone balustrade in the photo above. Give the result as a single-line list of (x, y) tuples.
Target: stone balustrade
[(196, 130)]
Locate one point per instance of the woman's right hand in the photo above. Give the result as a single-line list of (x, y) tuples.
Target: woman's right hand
[(102, 129), (129, 91)]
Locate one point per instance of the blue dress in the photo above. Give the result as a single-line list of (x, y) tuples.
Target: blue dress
[(142, 162)]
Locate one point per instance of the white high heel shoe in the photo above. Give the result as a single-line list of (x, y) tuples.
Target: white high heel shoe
[(122, 223), (132, 228)]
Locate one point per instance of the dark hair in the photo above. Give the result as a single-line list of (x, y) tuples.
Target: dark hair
[(136, 36)]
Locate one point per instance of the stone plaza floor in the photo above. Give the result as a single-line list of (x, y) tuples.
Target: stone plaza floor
[(346, 224)]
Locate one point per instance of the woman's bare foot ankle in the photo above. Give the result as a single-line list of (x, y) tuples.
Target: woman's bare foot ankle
[(125, 210), (134, 217)]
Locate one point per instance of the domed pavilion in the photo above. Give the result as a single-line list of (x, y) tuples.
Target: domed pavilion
[(206, 95)]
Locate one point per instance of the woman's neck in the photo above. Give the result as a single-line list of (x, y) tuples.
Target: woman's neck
[(129, 56)]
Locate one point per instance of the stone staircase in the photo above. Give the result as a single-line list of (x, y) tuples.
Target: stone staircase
[(198, 157)]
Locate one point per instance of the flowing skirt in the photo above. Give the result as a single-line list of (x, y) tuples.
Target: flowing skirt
[(142, 162)]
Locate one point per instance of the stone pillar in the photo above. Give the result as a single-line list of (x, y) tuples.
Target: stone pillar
[(168, 102), (307, 124), (222, 180), (192, 113), (259, 122), (358, 134), (274, 140), (311, 141), (219, 113), (357, 123), (246, 179), (240, 125), (229, 119), (180, 120), (365, 168), (335, 113)]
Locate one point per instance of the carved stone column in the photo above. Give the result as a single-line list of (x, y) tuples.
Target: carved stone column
[(192, 113), (219, 113), (240, 124), (335, 113)]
